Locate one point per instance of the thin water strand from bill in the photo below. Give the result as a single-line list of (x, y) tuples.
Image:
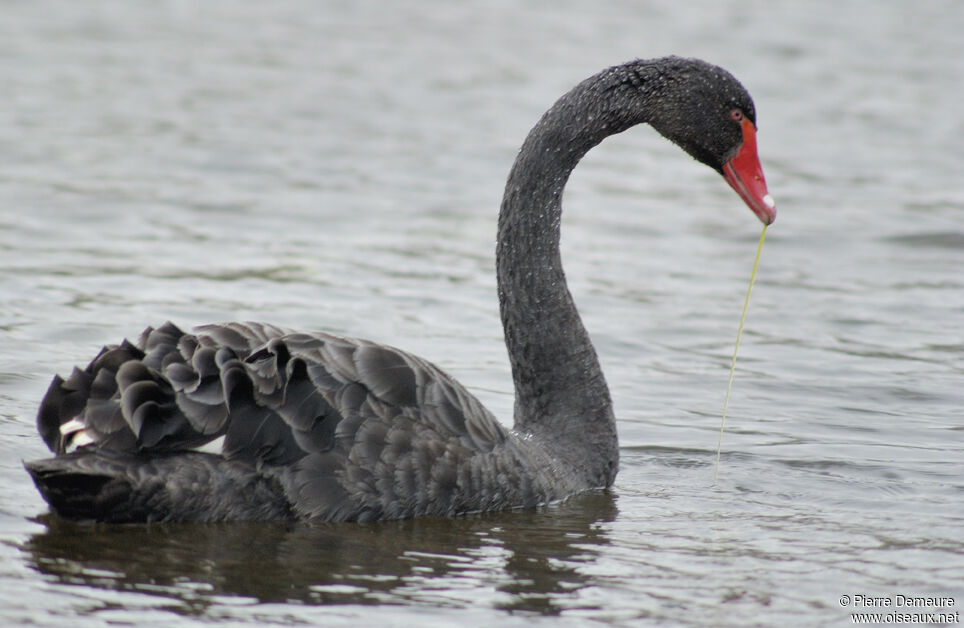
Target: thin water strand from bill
[(736, 349)]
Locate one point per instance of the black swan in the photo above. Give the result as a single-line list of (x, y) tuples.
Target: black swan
[(247, 421)]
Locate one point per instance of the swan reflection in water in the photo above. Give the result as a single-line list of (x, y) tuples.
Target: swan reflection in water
[(526, 560)]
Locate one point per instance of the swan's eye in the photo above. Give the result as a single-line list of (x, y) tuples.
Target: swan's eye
[(737, 115)]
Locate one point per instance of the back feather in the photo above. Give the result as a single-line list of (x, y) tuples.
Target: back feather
[(340, 429)]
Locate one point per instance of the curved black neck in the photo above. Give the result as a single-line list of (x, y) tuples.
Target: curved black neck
[(560, 389)]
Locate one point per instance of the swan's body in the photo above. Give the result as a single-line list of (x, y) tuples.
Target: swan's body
[(245, 421)]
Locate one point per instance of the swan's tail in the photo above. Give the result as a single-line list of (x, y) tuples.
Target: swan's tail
[(113, 487), (85, 485)]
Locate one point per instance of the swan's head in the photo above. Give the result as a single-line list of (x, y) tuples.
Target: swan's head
[(710, 115)]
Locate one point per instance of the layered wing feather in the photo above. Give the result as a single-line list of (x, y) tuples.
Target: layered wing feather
[(347, 429)]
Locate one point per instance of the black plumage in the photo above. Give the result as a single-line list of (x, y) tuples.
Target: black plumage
[(248, 421)]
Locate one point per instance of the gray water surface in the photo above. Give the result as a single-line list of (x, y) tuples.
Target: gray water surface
[(339, 166)]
